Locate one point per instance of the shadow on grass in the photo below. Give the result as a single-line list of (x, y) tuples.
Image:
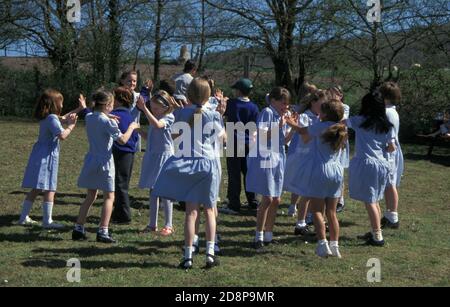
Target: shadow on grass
[(93, 251), (435, 159), (95, 265), (27, 238)]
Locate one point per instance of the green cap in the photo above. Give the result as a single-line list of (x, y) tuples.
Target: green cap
[(243, 84)]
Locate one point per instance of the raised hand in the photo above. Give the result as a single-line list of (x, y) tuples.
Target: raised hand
[(222, 107), (114, 118), (72, 120), (141, 104), (82, 102)]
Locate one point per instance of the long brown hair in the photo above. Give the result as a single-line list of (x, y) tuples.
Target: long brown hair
[(124, 96), (308, 100), (337, 135), (49, 102), (391, 92)]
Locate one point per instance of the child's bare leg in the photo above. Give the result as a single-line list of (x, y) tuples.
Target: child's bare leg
[(84, 209), (210, 225), (317, 207), (32, 195), (331, 204), (375, 220), (303, 208), (26, 207), (263, 210), (192, 212), (391, 195), (272, 214), (107, 209)]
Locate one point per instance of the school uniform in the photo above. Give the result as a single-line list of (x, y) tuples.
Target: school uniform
[(192, 175), (395, 158), (123, 162), (266, 164), (298, 150), (369, 169), (182, 82), (243, 111), (41, 172), (320, 173), (159, 150), (136, 115), (98, 171)]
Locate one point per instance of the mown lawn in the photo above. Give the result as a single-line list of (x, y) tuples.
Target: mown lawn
[(416, 255)]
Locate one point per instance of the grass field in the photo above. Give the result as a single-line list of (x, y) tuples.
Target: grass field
[(416, 255)]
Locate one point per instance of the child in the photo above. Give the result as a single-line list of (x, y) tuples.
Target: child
[(159, 149), (41, 174), (392, 96), (336, 93), (98, 172), (266, 163), (320, 173), (299, 148), (370, 169), (240, 110), (184, 79), (193, 175), (123, 156), (129, 80), (306, 92)]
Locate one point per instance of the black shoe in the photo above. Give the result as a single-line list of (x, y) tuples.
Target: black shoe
[(253, 205), (105, 238), (302, 231), (385, 223), (340, 208), (121, 222), (186, 264), (78, 235), (365, 237), (273, 242), (372, 242), (211, 262), (259, 246)]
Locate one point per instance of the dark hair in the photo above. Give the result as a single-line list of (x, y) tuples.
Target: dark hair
[(189, 66), (211, 82), (280, 93), (124, 96), (391, 92), (308, 100), (374, 111), (168, 86), (48, 103)]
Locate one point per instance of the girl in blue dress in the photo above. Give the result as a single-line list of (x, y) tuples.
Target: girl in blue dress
[(266, 163), (193, 174), (159, 150), (392, 96), (369, 168), (41, 173), (320, 173), (98, 171), (298, 149)]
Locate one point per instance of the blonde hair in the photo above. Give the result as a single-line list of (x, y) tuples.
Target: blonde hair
[(48, 103), (163, 99), (198, 93), (337, 135)]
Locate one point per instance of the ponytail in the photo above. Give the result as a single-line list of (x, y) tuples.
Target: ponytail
[(336, 136)]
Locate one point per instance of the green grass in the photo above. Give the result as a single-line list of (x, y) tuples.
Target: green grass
[(416, 255)]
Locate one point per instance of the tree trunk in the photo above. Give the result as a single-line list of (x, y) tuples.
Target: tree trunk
[(115, 40), (202, 37), (157, 55)]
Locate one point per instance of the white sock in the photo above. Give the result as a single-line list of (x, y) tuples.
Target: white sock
[(377, 235), (210, 248), (342, 200), (47, 210), (188, 251), (79, 228), (323, 242), (259, 237), (196, 240), (26, 209), (268, 236), (103, 230), (301, 224), (392, 217), (334, 243)]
